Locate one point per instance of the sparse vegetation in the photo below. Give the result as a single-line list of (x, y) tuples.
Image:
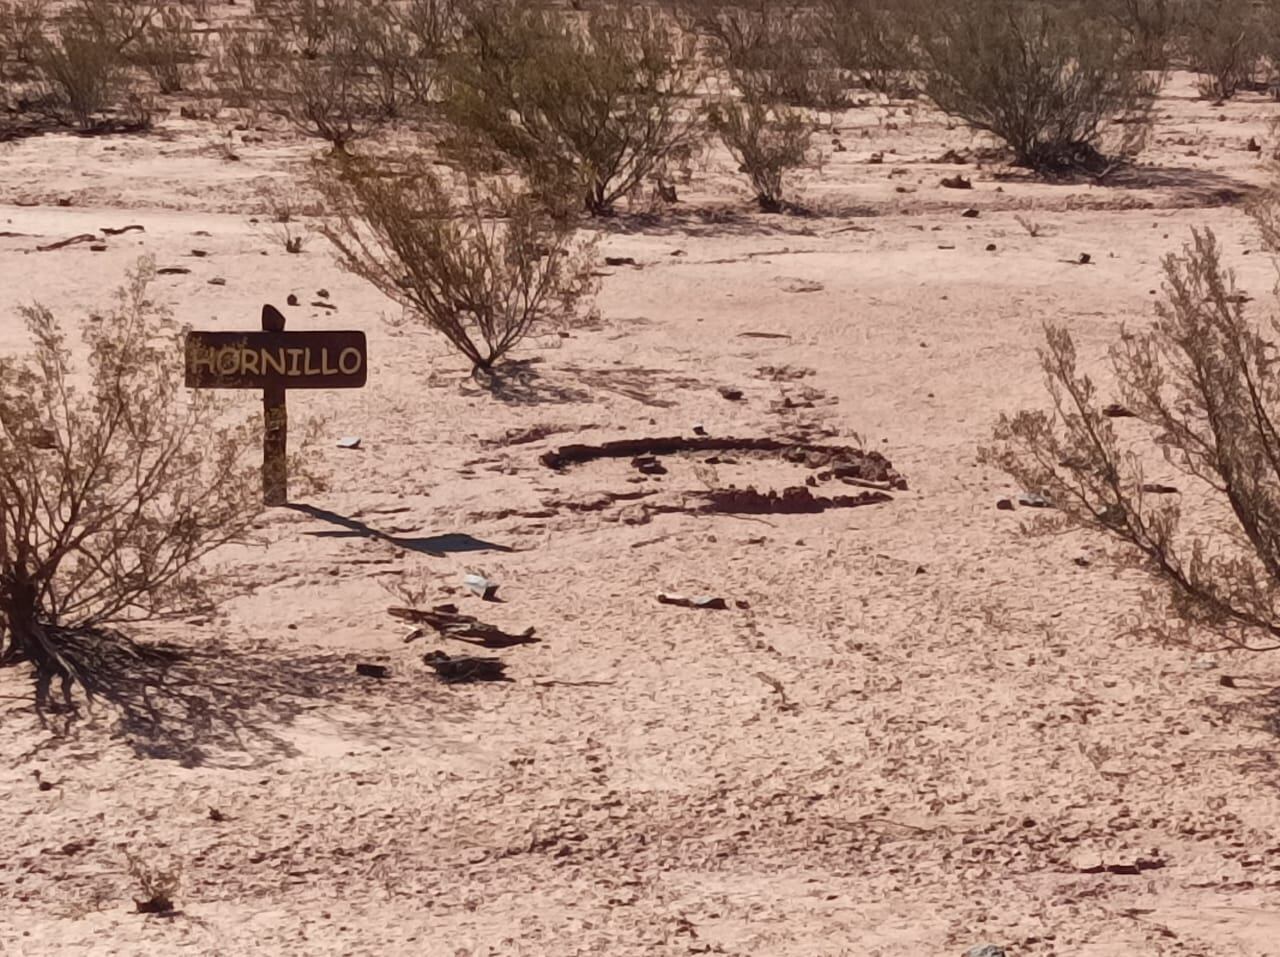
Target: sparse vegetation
[(1223, 39), (591, 109), (486, 271), (774, 52), (167, 48), (22, 24), (767, 141), (112, 492), (1202, 382), (83, 77), (1045, 81), (872, 40)]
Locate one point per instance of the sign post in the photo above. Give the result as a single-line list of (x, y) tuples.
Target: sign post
[(275, 361)]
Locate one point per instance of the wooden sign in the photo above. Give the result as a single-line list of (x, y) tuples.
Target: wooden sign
[(275, 361)]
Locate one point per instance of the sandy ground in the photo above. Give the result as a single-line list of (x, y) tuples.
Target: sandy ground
[(974, 742)]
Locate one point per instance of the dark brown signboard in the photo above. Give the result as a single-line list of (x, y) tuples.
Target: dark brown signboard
[(275, 361), (259, 360)]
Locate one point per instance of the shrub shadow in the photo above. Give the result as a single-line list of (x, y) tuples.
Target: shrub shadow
[(437, 546), (522, 384), (227, 707)]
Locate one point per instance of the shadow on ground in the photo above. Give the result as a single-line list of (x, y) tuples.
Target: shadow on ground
[(436, 546), (522, 383), (223, 707)]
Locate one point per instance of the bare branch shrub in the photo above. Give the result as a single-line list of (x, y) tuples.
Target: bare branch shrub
[(486, 272), (317, 80), (115, 484), (167, 48), (245, 68), (1223, 43), (872, 40), (775, 53), (117, 24), (597, 106), (283, 224), (1203, 382), (767, 141), (22, 24), (1150, 27), (1046, 81), (82, 77)]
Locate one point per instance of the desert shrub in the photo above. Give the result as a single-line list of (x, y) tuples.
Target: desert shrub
[(82, 77), (1150, 27), (593, 108), (1202, 387), (244, 69), (22, 24), (871, 39), (316, 81), (118, 24), (774, 52), (401, 47), (167, 48), (1224, 44), (1046, 81), (115, 483), (767, 141), (486, 271)]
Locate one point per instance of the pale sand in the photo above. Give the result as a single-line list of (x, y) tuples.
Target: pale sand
[(975, 726)]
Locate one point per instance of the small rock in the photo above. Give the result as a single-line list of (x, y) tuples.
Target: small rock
[(699, 430), (985, 950), (876, 158), (1227, 681), (199, 253), (1084, 259), (971, 213), (217, 281), (481, 586), (698, 601), (172, 271), (322, 293), (1116, 411), (292, 300), (1005, 505), (373, 671), (619, 261), (98, 248), (648, 465), (1155, 488), (1034, 500), (1253, 146), (991, 247), (349, 442), (733, 395), (956, 182)]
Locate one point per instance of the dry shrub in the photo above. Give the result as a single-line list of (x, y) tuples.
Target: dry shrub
[(775, 52), (767, 141), (485, 271), (590, 107), (1224, 45), (118, 24), (115, 484), (872, 40), (167, 48), (1150, 27), (1046, 81), (1202, 381), (82, 77), (22, 24)]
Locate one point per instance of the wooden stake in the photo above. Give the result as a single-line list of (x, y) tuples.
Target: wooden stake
[(275, 428)]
